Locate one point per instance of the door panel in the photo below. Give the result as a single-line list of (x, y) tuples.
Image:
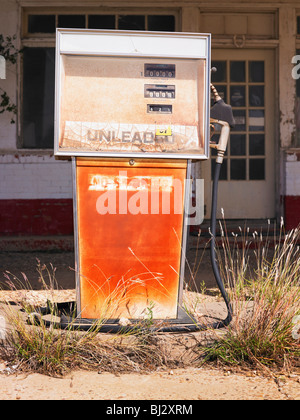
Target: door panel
[(245, 79)]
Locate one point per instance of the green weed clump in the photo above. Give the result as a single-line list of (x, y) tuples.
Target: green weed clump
[(266, 301)]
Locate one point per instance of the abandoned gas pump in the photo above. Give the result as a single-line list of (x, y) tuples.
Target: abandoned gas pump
[(133, 111)]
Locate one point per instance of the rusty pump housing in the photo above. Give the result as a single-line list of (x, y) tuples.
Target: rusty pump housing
[(147, 115)]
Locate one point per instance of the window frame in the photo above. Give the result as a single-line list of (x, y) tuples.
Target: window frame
[(230, 157), (91, 11)]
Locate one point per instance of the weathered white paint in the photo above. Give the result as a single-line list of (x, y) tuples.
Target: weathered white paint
[(34, 177), (292, 175), (132, 44), (287, 49)]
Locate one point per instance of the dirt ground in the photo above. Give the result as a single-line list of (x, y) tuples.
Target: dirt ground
[(182, 384)]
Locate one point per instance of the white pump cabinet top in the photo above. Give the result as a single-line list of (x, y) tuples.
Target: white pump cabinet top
[(132, 94)]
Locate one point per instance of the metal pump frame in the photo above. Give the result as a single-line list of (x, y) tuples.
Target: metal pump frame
[(68, 311)]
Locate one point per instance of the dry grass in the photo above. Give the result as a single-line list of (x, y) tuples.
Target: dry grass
[(266, 301), (34, 346)]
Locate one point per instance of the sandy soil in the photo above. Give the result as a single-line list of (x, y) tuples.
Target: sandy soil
[(180, 384)]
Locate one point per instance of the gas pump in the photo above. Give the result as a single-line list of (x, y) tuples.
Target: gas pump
[(133, 111)]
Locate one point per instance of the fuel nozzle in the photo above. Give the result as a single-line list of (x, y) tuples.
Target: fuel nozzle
[(221, 113), (220, 110)]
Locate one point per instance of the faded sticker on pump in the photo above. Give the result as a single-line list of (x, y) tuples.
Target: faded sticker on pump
[(129, 137), (122, 181)]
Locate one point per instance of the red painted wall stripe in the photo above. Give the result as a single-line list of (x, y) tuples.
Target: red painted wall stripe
[(43, 217), (292, 211), (36, 217)]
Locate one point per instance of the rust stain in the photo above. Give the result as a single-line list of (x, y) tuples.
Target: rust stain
[(127, 261)]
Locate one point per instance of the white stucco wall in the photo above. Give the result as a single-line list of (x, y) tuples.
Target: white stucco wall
[(35, 174)]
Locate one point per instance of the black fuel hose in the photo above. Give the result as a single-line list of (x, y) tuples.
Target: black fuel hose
[(214, 263), (83, 324)]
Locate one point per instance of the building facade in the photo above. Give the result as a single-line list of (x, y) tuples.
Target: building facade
[(255, 48)]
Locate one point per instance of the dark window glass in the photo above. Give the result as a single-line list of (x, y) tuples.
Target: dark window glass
[(240, 119), (257, 169), (220, 74), (161, 23), (238, 169), (223, 170), (101, 21), (237, 144), (256, 71), (256, 120), (256, 95), (237, 71), (257, 144), (41, 24), (71, 21), (132, 22), (38, 97), (237, 95)]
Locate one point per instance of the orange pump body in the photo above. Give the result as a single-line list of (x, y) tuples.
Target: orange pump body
[(129, 217)]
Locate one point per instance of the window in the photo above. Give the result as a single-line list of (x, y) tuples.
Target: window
[(39, 61), (38, 97), (41, 24), (47, 23), (242, 85), (298, 25)]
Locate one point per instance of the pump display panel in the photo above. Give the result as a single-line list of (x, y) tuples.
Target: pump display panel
[(132, 94)]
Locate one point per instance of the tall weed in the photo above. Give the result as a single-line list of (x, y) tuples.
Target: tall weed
[(34, 343), (266, 299)]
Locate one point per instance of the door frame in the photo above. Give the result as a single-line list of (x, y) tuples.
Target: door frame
[(271, 123)]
